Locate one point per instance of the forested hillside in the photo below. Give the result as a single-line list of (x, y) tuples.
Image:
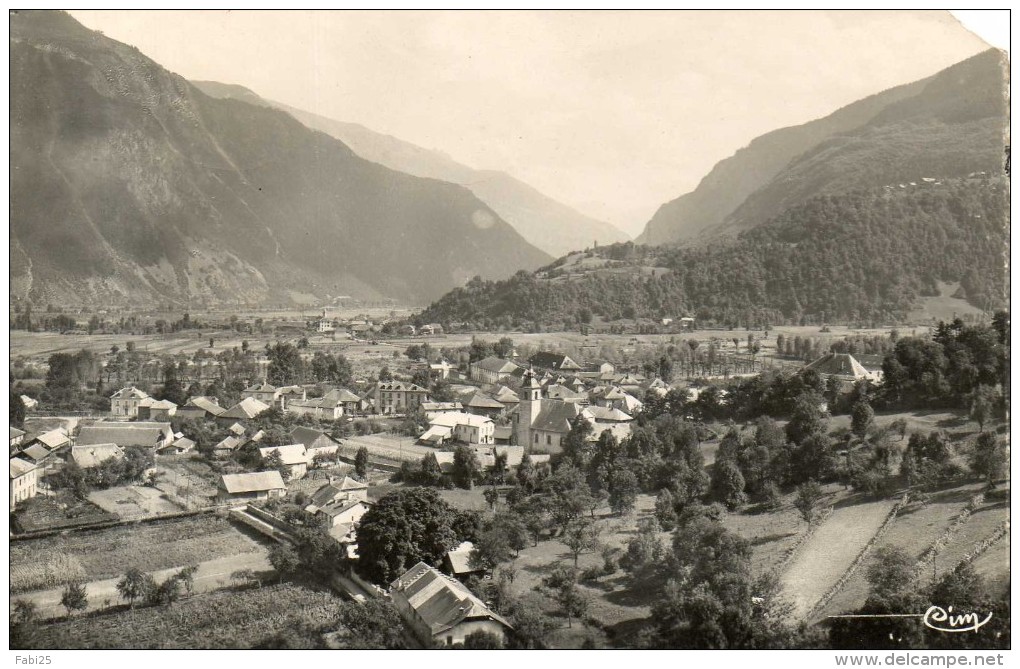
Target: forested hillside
[(864, 256)]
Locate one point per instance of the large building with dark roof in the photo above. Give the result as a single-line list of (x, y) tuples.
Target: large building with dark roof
[(440, 609)]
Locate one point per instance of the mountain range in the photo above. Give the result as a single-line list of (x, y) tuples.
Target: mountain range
[(855, 217), (130, 185), (947, 125), (550, 225)]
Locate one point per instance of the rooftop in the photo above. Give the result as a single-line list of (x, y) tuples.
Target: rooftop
[(253, 482)]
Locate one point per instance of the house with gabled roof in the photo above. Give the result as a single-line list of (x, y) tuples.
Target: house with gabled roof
[(556, 362), (93, 455), (124, 403), (440, 609), (178, 446), (244, 410), (153, 409), (482, 404), (492, 370), (316, 442), (251, 486), (17, 436), (53, 440), (264, 392), (294, 456), (339, 490), (841, 366), (201, 407)]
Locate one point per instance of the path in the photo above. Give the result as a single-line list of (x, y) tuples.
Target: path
[(830, 551), (211, 575)]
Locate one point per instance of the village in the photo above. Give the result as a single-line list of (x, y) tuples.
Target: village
[(217, 494)]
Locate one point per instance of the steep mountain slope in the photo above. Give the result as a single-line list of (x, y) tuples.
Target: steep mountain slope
[(130, 185), (550, 225), (867, 256), (945, 126)]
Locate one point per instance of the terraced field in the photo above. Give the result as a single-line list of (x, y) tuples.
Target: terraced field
[(830, 551), (913, 530)]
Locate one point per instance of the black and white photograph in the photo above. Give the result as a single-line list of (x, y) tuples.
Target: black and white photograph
[(557, 330)]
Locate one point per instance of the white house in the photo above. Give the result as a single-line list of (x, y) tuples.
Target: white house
[(124, 403)]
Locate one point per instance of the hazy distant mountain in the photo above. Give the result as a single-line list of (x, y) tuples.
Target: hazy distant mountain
[(948, 125), (550, 225), (128, 184)]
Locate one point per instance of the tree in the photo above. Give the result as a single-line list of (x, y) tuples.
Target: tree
[(861, 418), (466, 468), (526, 477), (285, 560), (989, 457), (403, 528), (806, 500), (17, 410), (274, 460), (579, 537), (285, 364), (246, 577), (74, 598), (808, 418), (982, 405), (24, 628), (361, 462), (623, 491), (186, 577), (373, 624), (169, 591), (665, 510), (572, 601), (531, 626), (728, 484), (132, 585), (491, 497)]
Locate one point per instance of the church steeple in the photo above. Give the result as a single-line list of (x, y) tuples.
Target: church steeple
[(531, 387)]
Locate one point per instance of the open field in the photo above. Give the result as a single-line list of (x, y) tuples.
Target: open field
[(152, 546), (771, 534), (982, 523), (831, 550), (993, 566), (133, 501), (222, 619)]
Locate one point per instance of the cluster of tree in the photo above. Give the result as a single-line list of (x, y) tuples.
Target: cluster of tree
[(895, 590), (947, 369), (137, 585), (864, 256), (111, 472), (711, 598), (408, 526)]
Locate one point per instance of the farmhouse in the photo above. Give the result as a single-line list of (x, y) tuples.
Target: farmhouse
[(251, 486), (398, 397), (153, 409), (481, 404), (440, 609), (335, 492), (228, 445), (433, 409), (323, 408), (146, 435), (29, 402), (316, 442), (463, 427), (344, 513), (492, 370), (458, 561), (125, 402), (294, 456), (24, 481), (554, 361), (246, 409), (430, 329), (40, 456), (53, 440), (263, 392), (177, 447), (201, 407), (94, 455)]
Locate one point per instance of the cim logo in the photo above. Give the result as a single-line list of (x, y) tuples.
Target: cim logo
[(944, 620)]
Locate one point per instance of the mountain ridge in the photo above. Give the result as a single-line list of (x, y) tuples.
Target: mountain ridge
[(550, 225), (129, 184), (734, 181)]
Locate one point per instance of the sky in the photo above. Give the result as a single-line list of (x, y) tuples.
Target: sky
[(611, 112)]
